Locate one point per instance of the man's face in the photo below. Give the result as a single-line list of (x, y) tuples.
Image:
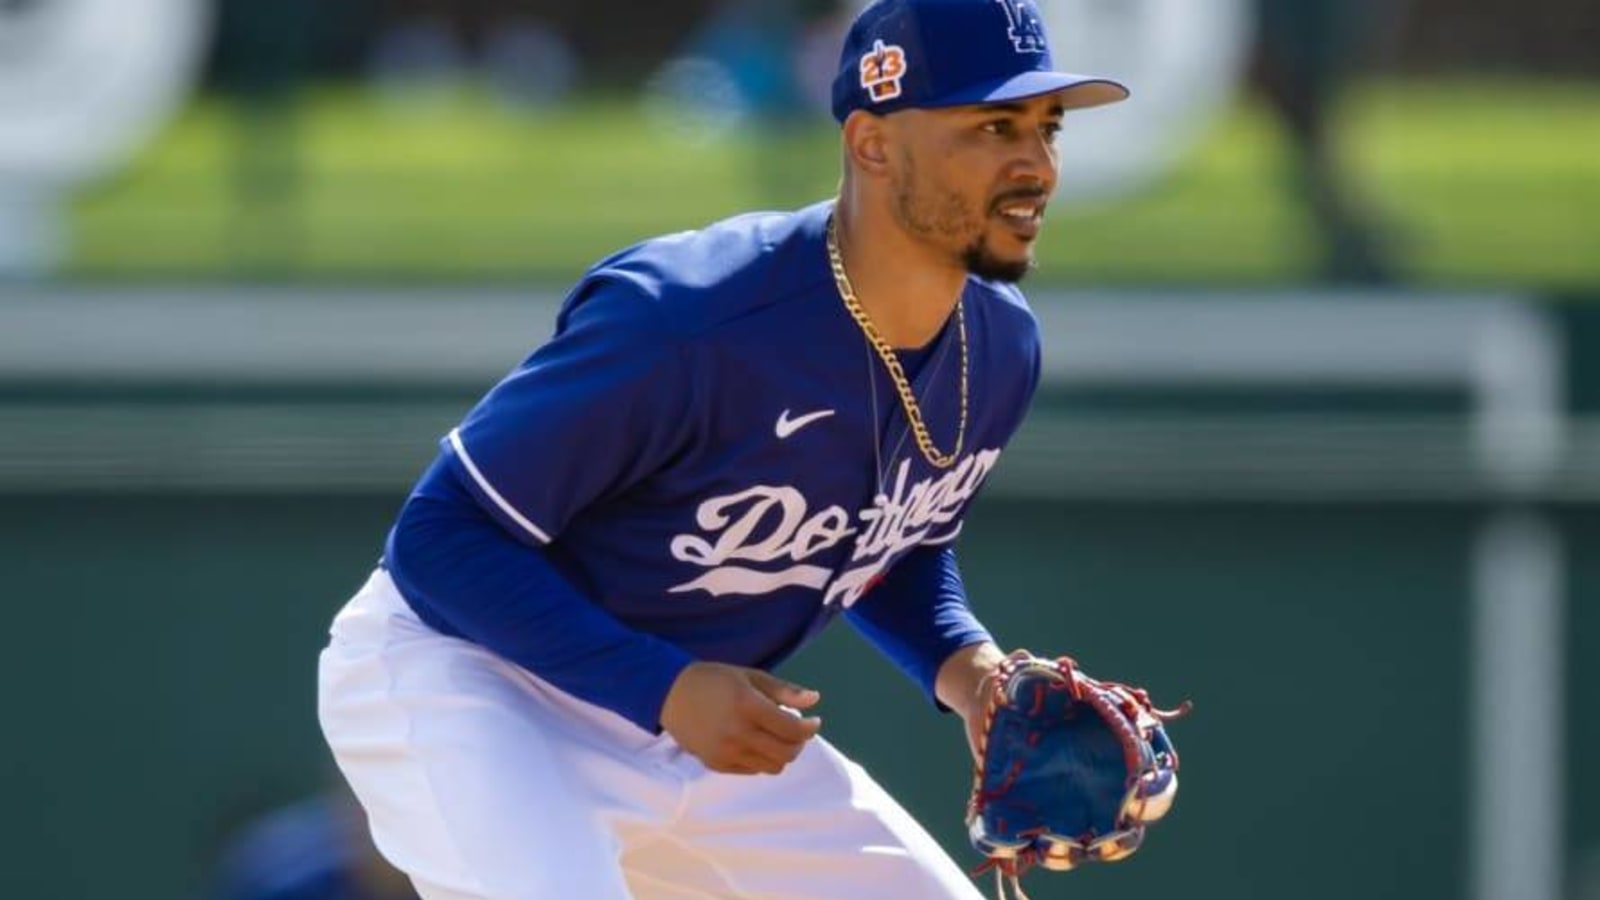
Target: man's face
[(974, 180)]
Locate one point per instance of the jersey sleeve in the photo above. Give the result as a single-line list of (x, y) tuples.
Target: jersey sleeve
[(918, 615), (593, 411), (465, 576)]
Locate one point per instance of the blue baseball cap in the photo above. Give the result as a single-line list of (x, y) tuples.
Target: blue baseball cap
[(901, 54)]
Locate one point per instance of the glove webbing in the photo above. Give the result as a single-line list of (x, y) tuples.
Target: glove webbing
[(1008, 871)]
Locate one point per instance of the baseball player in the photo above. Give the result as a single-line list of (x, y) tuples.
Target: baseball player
[(557, 684)]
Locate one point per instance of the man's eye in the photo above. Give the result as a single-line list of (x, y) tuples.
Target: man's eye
[(1001, 128), (1052, 131)]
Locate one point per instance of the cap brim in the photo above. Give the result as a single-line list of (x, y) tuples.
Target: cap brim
[(1077, 91)]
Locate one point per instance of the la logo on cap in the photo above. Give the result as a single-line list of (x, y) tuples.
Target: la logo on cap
[(1027, 32), (882, 67)]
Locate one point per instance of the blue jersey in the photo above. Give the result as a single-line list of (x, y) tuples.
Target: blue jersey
[(710, 453)]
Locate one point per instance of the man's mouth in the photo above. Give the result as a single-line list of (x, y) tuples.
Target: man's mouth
[(1024, 216)]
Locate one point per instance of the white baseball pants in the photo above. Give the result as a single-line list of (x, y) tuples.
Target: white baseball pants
[(482, 782)]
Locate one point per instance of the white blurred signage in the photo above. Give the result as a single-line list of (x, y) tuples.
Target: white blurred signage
[(1184, 60), (82, 84)]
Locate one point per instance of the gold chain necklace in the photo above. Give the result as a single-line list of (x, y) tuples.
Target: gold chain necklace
[(908, 400)]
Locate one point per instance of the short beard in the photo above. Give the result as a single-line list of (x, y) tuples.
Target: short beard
[(947, 216), (984, 264)]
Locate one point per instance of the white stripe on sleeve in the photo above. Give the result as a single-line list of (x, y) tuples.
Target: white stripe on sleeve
[(507, 508)]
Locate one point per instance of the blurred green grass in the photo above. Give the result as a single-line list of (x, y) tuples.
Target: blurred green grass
[(1477, 183)]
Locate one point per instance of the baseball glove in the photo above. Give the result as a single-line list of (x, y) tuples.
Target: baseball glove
[(1070, 769)]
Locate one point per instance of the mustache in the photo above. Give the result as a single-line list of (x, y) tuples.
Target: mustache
[(1024, 194)]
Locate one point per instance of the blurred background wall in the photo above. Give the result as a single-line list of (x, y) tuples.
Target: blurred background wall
[(1317, 445)]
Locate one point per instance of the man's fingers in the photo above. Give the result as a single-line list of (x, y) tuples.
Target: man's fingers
[(769, 748), (761, 765), (746, 759), (782, 724), (780, 691), (735, 767)]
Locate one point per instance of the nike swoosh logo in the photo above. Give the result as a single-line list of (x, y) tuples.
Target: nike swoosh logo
[(787, 426)]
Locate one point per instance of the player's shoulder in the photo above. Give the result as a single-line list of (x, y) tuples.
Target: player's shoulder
[(696, 280)]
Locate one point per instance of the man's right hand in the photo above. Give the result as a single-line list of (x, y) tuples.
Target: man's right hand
[(729, 717)]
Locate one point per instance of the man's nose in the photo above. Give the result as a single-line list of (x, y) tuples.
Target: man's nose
[(1036, 164)]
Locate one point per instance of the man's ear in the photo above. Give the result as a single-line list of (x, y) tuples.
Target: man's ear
[(867, 138)]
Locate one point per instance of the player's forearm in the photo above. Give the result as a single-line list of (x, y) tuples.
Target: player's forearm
[(962, 676)]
